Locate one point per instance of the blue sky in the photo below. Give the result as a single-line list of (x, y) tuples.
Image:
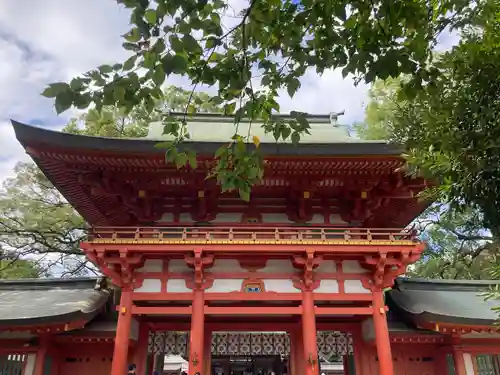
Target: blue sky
[(54, 40)]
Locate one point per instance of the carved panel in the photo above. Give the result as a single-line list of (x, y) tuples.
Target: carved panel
[(249, 343)]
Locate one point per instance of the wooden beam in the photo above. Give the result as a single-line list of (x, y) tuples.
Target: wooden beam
[(212, 310), (343, 311), (162, 310)]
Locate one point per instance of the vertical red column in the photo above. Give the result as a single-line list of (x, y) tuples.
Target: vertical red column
[(196, 338), (309, 334), (292, 361), (207, 366), (141, 351), (41, 355), (382, 334), (459, 362), (120, 354)]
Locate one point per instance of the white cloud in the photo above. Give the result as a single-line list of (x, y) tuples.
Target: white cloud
[(53, 40)]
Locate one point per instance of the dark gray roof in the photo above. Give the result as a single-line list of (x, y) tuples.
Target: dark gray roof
[(47, 301), (443, 301), (34, 136)]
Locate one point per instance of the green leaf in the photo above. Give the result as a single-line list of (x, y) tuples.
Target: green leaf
[(133, 36), (76, 84), (244, 194), (181, 160), (191, 109), (295, 138), (150, 16), (292, 86), (105, 69), (221, 151), (163, 145), (190, 43), (285, 132), (159, 75), (191, 155), (64, 100), (229, 108), (178, 64), (119, 93), (129, 64), (55, 89), (176, 44)]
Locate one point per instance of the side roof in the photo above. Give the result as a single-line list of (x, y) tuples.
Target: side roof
[(33, 302), (453, 302)]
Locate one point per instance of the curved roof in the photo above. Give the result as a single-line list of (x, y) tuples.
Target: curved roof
[(444, 301), (32, 302), (29, 135)]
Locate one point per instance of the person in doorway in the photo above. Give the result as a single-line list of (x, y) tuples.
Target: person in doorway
[(131, 369)]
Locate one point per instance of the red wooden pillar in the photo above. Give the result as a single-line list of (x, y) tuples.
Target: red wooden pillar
[(41, 355), (141, 351), (208, 353), (309, 334), (122, 339), (382, 334), (459, 362), (196, 338), (292, 361)]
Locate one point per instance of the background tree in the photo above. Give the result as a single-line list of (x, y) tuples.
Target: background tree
[(451, 127), (12, 267), (269, 47), (37, 222)]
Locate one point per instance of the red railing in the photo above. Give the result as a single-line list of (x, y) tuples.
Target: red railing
[(250, 234)]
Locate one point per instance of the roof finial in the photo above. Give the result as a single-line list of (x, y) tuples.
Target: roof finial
[(334, 116)]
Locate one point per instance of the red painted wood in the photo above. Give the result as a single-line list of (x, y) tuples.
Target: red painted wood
[(196, 337), (120, 353), (382, 335), (309, 334)]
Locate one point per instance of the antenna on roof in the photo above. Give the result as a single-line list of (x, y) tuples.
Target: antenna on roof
[(334, 116)]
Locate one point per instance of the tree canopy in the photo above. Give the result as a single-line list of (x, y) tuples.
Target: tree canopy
[(37, 222), (450, 127), (250, 56)]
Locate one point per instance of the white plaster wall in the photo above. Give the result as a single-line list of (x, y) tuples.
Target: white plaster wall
[(178, 265), (152, 265), (481, 335), (352, 266), (16, 335), (226, 265), (354, 286), (336, 219), (30, 364), (367, 329), (317, 219), (177, 286), (227, 217), (150, 286), (328, 286), (327, 266), (167, 217), (280, 286), (185, 218), (134, 329), (225, 286), (469, 367), (275, 218), (278, 266)]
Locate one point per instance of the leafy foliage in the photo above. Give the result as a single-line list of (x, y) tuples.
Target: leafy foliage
[(11, 267), (452, 127), (37, 222), (274, 40)]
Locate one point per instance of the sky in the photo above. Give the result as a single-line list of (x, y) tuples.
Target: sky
[(54, 40)]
